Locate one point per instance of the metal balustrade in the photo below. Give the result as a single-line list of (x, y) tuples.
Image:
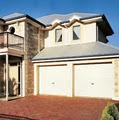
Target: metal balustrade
[(11, 41)]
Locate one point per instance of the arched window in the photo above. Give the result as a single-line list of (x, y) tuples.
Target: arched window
[(12, 30)]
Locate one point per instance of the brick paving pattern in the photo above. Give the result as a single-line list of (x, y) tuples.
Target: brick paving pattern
[(52, 108)]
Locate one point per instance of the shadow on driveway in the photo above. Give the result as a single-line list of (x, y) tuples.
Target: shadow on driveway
[(13, 117)]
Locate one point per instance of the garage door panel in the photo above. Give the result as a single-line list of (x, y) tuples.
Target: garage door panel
[(53, 80), (95, 80)]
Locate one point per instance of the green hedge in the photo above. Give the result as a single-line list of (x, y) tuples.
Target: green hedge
[(110, 112)]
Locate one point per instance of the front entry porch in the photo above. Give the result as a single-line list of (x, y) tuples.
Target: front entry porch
[(10, 76)]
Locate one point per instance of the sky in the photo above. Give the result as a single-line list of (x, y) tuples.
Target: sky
[(38, 8)]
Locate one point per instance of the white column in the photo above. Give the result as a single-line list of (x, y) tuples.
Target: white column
[(70, 80), (7, 76), (21, 92), (23, 78), (36, 81)]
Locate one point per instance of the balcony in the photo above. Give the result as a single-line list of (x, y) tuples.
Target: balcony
[(11, 41), (11, 54)]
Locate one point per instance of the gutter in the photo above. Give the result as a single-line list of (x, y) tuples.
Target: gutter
[(76, 58), (90, 17)]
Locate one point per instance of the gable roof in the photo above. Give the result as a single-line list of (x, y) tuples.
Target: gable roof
[(18, 16), (94, 49), (47, 20)]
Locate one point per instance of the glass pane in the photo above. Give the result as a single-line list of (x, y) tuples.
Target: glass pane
[(14, 76), (58, 35), (76, 32), (13, 80)]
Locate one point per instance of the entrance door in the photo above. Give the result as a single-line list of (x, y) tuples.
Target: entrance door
[(14, 80)]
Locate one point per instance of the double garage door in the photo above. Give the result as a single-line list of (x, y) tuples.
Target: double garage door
[(91, 80)]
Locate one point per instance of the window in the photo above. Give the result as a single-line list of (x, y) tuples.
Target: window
[(12, 30), (58, 35), (76, 32)]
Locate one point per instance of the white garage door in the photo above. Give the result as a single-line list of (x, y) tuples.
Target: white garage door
[(94, 80), (53, 80)]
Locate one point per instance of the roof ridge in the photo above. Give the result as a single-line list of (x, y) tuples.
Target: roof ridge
[(67, 14), (50, 15)]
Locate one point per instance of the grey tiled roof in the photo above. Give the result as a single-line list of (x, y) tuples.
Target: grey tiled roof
[(47, 20), (93, 49), (14, 15), (19, 15)]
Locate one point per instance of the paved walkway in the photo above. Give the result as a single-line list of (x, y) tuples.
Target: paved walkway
[(52, 108)]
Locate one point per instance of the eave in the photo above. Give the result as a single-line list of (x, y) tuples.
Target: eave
[(21, 18), (77, 58)]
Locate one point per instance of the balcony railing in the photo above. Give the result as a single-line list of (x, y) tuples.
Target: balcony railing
[(11, 41)]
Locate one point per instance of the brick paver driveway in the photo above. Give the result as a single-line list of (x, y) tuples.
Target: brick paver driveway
[(52, 108)]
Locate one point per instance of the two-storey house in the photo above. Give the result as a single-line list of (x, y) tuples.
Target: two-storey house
[(64, 55)]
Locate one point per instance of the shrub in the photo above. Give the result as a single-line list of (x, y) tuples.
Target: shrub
[(117, 105), (110, 112)]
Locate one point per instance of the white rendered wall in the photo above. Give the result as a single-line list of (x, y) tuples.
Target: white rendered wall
[(87, 34)]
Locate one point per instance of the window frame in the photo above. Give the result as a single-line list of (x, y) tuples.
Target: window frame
[(56, 39), (79, 32)]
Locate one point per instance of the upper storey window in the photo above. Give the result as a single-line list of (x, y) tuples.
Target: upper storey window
[(76, 32), (58, 35)]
